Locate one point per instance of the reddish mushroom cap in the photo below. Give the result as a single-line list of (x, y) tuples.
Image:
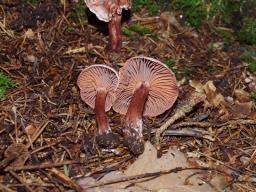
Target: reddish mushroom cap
[(105, 9), (163, 89), (98, 77)]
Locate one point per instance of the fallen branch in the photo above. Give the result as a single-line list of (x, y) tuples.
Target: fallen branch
[(189, 133), (209, 124), (86, 161), (67, 180), (44, 165), (148, 175), (182, 110), (38, 133)]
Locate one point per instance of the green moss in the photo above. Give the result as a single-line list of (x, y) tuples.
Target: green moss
[(170, 63), (140, 29), (150, 5), (5, 84), (186, 72), (253, 96), (194, 11), (247, 33), (226, 35), (69, 29), (33, 2), (210, 68), (126, 31), (78, 15), (250, 58)]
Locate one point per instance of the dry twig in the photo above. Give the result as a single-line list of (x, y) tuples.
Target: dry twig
[(148, 175), (182, 110), (67, 180), (189, 133)]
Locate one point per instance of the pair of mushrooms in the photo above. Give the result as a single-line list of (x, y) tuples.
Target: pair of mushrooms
[(146, 87), (110, 11)]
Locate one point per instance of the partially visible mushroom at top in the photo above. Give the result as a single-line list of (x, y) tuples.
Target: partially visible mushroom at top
[(147, 88), (98, 84), (110, 11)]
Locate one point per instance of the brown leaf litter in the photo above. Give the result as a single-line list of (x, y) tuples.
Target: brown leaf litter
[(50, 125)]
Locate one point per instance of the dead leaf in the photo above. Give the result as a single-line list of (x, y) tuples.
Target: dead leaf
[(242, 96), (197, 85), (242, 108), (30, 129), (29, 34), (149, 163), (213, 97), (31, 58), (15, 155), (169, 20)]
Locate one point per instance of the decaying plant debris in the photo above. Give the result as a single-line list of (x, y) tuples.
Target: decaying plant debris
[(55, 130)]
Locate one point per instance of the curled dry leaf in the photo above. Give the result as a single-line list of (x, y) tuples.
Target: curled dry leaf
[(241, 107), (31, 58), (168, 19), (29, 34), (16, 154), (241, 95), (213, 97), (149, 163), (30, 129)]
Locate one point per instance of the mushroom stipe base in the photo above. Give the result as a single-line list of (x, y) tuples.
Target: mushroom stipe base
[(108, 140), (133, 140)]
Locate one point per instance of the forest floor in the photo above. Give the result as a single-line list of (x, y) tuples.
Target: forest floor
[(47, 132)]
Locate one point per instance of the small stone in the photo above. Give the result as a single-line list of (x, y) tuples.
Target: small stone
[(244, 160), (247, 80), (82, 155), (218, 45), (251, 77), (229, 99), (30, 129)]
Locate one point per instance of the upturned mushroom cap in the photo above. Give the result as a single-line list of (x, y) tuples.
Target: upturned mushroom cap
[(163, 89), (105, 9), (98, 77)]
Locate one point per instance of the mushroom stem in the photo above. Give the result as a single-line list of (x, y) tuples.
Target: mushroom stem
[(133, 120), (136, 107), (114, 28), (101, 116)]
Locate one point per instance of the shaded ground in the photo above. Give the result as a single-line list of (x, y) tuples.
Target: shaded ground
[(46, 114)]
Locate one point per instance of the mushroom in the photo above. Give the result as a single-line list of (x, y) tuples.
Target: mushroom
[(98, 84), (110, 11), (147, 88)]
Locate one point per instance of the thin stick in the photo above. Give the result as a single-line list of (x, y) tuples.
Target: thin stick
[(146, 175), (182, 110), (59, 164), (5, 188), (21, 181), (67, 180), (37, 134), (192, 124), (208, 124), (222, 163), (43, 166), (189, 133)]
